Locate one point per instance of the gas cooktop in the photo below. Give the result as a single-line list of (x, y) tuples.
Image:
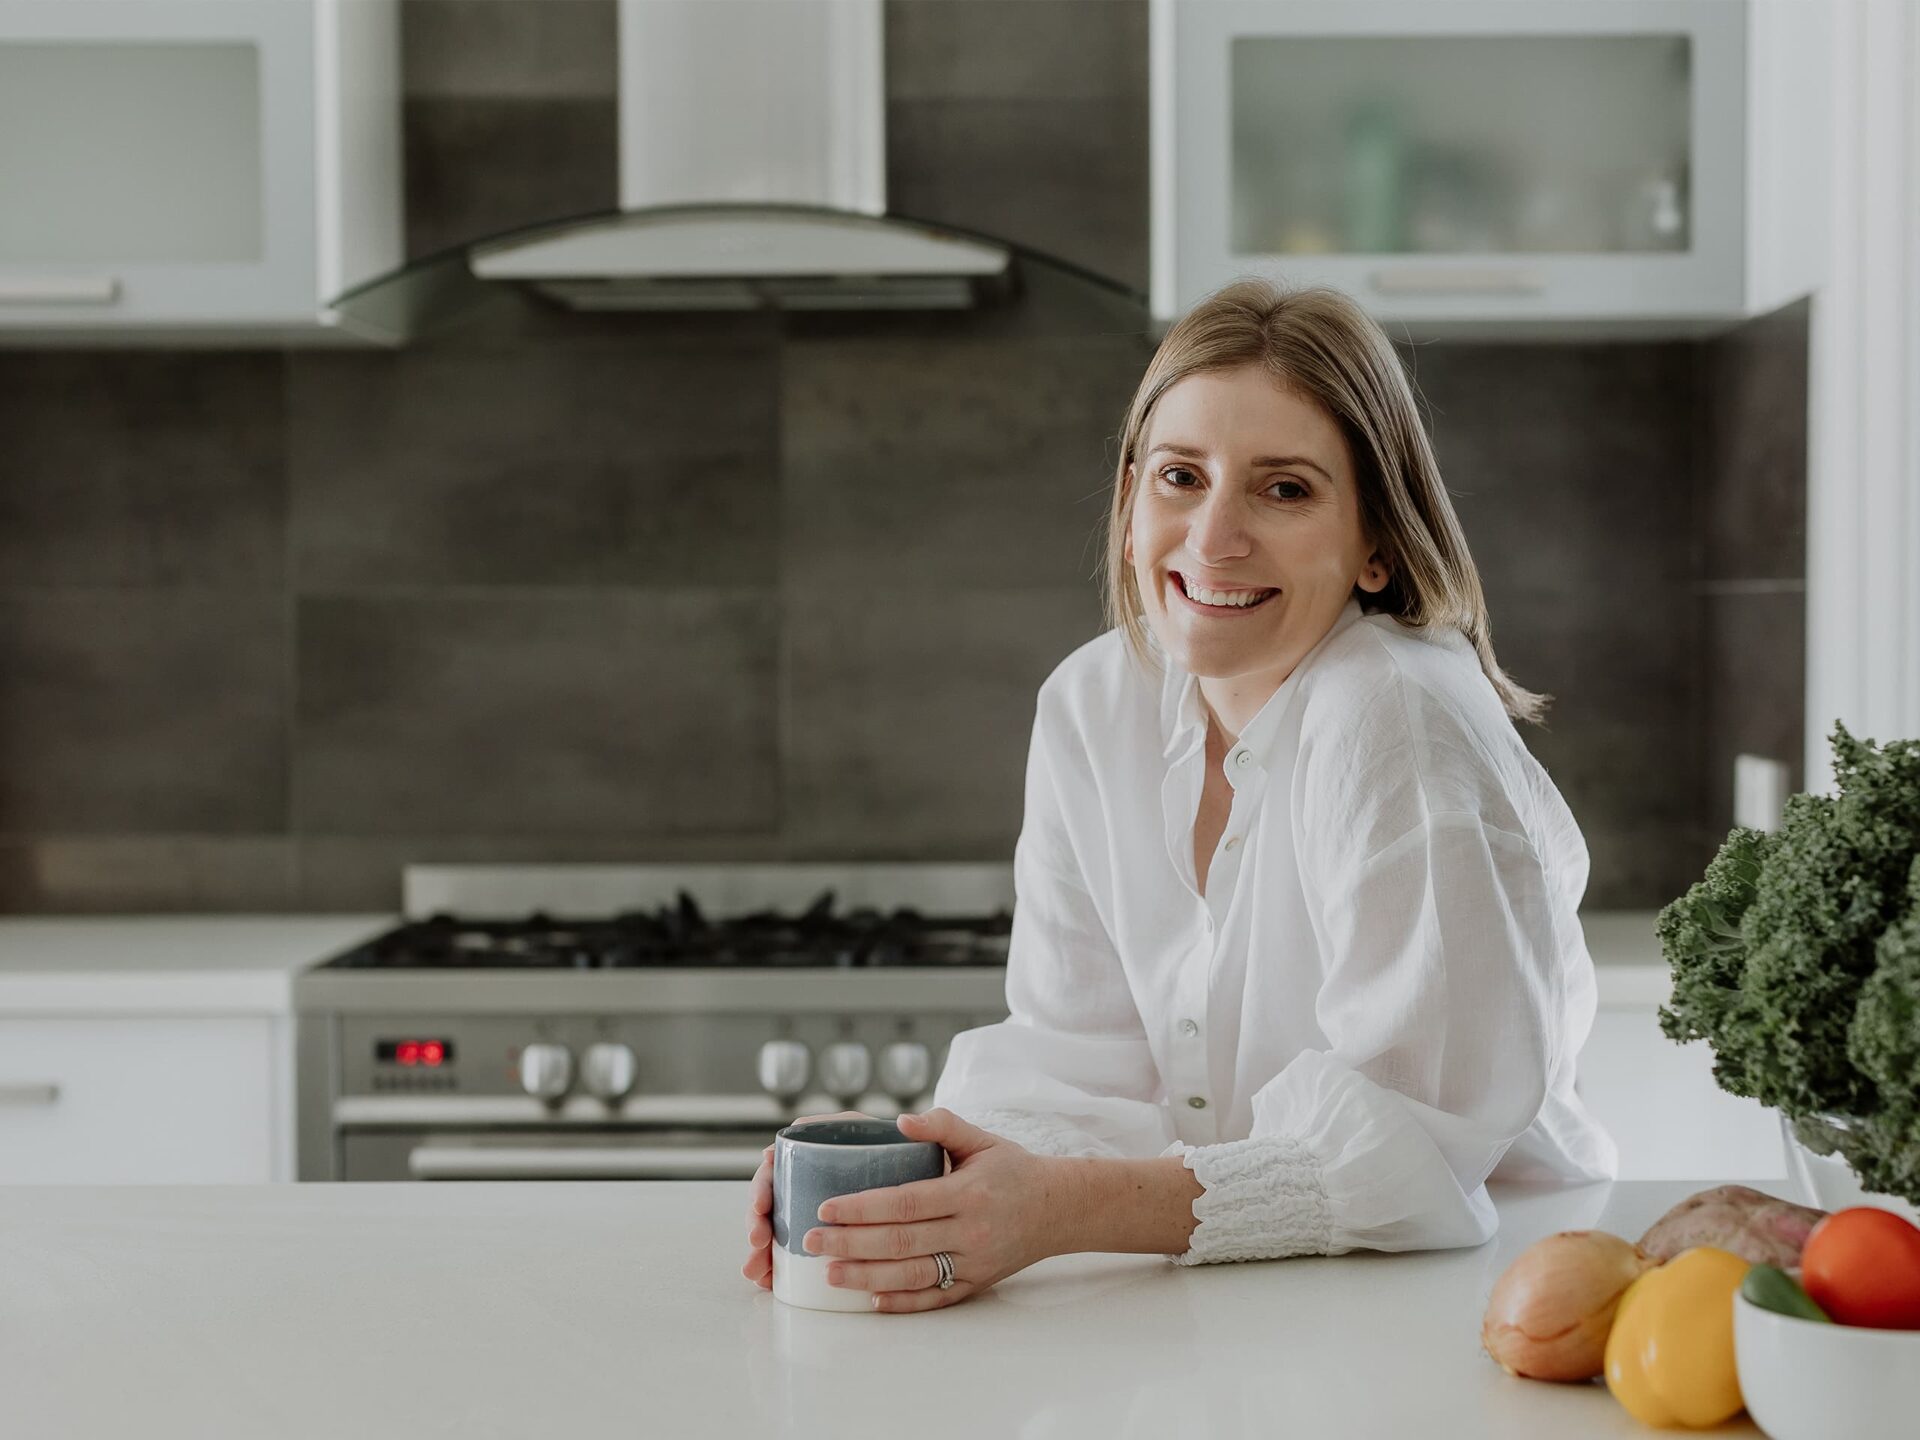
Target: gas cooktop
[(680, 936)]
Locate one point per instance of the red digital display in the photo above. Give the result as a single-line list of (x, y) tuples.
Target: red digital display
[(429, 1053)]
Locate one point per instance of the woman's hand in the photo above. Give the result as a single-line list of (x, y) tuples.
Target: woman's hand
[(998, 1210), (759, 1266)]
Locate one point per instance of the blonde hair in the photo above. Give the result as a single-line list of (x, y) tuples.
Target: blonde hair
[(1319, 343)]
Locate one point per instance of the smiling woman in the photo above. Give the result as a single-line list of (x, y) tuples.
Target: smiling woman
[(1294, 409), (1245, 557), (1295, 965)]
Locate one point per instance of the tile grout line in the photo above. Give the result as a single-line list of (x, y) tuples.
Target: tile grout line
[(290, 677), (783, 641)]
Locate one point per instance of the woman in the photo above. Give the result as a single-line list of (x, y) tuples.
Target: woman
[(1295, 963)]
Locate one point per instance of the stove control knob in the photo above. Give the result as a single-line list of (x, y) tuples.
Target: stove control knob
[(846, 1069), (546, 1070), (906, 1069), (784, 1067), (607, 1069)]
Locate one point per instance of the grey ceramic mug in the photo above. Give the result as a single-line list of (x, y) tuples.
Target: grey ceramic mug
[(815, 1160)]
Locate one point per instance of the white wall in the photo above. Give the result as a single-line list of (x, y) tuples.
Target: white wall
[(1863, 561)]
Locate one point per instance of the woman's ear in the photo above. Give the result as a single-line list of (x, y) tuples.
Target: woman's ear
[(1375, 573)]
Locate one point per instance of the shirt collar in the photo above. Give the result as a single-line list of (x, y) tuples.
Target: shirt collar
[(1184, 715)]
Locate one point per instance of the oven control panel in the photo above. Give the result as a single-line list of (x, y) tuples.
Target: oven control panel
[(617, 1060)]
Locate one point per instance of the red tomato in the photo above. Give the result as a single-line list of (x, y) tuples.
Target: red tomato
[(1862, 1266)]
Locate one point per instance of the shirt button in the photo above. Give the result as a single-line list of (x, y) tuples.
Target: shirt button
[(1187, 1027), (1243, 759), (1199, 1102), (1233, 843)]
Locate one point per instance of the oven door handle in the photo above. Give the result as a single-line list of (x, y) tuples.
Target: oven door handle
[(615, 1162)]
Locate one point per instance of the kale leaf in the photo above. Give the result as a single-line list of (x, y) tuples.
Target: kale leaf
[(1797, 958)]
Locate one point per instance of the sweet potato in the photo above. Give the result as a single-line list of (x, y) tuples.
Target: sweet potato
[(1757, 1227)]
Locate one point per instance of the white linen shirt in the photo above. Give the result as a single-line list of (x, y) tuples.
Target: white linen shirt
[(1377, 1003)]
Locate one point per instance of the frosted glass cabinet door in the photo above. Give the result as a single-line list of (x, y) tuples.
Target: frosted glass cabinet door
[(1457, 158), (156, 161)]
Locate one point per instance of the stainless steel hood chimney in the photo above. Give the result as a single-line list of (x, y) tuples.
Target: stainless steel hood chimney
[(752, 172)]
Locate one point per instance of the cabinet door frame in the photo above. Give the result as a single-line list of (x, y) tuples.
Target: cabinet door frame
[(281, 285), (1190, 82)]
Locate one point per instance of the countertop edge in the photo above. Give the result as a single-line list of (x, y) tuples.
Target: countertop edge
[(105, 965), (85, 965)]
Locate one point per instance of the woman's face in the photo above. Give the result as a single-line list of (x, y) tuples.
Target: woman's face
[(1247, 488)]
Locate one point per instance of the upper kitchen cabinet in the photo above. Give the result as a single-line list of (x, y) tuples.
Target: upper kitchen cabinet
[(1493, 167), (182, 170)]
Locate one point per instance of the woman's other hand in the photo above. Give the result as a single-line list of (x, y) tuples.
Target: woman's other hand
[(759, 1266), (998, 1210)]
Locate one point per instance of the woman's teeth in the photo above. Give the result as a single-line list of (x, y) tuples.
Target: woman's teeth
[(1237, 599)]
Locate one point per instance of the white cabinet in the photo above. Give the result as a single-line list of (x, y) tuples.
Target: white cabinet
[(173, 169), (1660, 1103), (1492, 166), (137, 1100)]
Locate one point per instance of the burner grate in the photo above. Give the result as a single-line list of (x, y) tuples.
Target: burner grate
[(680, 936)]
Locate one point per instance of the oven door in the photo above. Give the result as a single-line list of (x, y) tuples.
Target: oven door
[(553, 1154)]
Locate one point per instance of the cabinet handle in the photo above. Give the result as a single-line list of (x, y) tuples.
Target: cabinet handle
[(59, 289), (1439, 280), (28, 1094)]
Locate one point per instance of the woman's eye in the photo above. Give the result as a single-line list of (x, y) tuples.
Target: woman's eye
[(1291, 489)]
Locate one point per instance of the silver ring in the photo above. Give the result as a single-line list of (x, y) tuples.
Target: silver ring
[(945, 1263)]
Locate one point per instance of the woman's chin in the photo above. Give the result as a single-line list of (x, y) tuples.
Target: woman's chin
[(1213, 656)]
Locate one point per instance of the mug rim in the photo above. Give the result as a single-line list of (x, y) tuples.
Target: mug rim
[(781, 1134)]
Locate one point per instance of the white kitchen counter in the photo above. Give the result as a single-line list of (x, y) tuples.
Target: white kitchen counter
[(244, 964), (167, 964), (1629, 971), (583, 1309)]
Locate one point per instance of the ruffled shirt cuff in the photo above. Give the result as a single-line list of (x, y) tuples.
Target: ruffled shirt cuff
[(1041, 1133), (1263, 1199)]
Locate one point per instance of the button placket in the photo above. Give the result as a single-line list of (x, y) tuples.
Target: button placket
[(1188, 1071), (1249, 799)]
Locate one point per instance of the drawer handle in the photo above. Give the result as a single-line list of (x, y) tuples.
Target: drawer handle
[(28, 1094), (59, 289)]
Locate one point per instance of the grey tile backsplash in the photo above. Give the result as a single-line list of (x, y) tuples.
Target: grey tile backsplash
[(273, 624)]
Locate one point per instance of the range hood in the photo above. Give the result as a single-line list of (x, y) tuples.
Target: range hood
[(752, 173)]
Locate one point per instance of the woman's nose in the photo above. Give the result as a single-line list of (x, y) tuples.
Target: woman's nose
[(1219, 527)]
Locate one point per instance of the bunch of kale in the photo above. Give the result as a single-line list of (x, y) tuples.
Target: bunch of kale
[(1797, 959)]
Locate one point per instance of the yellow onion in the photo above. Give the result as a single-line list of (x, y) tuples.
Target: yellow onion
[(1549, 1314)]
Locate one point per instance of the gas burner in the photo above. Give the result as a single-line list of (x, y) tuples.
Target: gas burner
[(679, 936)]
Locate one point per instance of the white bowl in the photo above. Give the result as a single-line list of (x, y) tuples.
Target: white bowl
[(1805, 1380)]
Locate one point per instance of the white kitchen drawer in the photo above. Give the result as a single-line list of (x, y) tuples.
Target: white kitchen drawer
[(136, 1101), (1660, 1103)]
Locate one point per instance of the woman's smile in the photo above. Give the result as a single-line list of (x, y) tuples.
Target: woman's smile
[(1178, 585)]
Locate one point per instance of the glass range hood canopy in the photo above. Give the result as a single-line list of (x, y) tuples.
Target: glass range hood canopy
[(639, 262)]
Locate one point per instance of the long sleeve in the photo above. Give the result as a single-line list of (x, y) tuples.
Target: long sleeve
[(1069, 1072), (1442, 1000)]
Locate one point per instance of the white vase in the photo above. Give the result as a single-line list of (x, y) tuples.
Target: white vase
[(1826, 1181)]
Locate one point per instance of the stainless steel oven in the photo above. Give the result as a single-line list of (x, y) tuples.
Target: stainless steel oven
[(651, 1041)]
